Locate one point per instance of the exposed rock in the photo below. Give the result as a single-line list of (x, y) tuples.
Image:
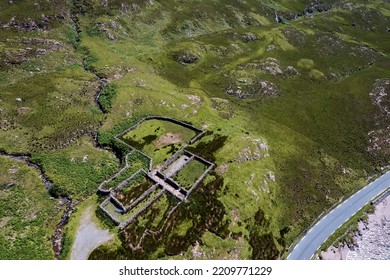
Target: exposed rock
[(290, 72), (104, 3), (22, 110), (36, 47), (257, 150), (379, 140), (28, 25), (270, 65), (249, 37), (135, 8), (271, 48), (53, 45), (15, 57), (85, 158), (295, 37), (225, 108), (195, 99), (111, 29), (271, 176), (257, 89), (314, 7), (185, 58), (380, 96), (329, 45)]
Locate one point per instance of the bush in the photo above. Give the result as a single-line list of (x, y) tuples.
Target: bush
[(107, 96), (89, 60)]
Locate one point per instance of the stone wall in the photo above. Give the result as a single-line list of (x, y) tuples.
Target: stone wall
[(125, 182), (169, 181), (200, 179), (132, 219), (107, 192), (102, 207), (142, 197), (172, 159)]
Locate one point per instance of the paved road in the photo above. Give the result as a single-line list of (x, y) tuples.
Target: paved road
[(321, 231)]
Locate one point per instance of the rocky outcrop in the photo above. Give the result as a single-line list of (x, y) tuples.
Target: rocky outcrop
[(380, 96), (253, 90), (185, 58), (249, 37), (295, 37), (314, 8), (18, 56), (271, 66), (379, 140), (32, 24), (255, 151)]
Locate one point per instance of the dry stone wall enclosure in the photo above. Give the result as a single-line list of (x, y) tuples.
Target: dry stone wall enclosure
[(161, 178)]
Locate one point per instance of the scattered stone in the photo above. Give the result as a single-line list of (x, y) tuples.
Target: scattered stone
[(290, 72), (41, 52), (271, 176), (222, 169), (19, 99), (118, 76), (271, 66), (329, 44), (295, 37), (379, 141), (257, 89), (380, 95), (271, 48), (254, 152), (194, 99), (22, 110), (15, 57)]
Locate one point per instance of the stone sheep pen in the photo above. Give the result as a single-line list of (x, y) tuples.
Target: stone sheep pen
[(128, 198)]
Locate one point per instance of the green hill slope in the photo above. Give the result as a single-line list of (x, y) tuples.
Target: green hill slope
[(294, 96)]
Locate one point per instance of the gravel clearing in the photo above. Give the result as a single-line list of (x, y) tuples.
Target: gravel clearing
[(89, 237)]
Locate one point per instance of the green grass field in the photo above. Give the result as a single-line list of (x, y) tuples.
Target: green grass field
[(189, 174), (158, 138)]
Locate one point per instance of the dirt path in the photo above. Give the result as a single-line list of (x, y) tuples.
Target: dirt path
[(89, 237)]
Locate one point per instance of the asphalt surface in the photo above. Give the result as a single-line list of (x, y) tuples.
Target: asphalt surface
[(322, 230)]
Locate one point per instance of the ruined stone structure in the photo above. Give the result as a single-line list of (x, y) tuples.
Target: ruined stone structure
[(162, 177)]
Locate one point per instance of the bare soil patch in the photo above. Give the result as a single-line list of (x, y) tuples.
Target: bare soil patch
[(169, 139)]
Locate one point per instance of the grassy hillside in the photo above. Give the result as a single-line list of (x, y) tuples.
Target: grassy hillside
[(282, 87), (27, 214)]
